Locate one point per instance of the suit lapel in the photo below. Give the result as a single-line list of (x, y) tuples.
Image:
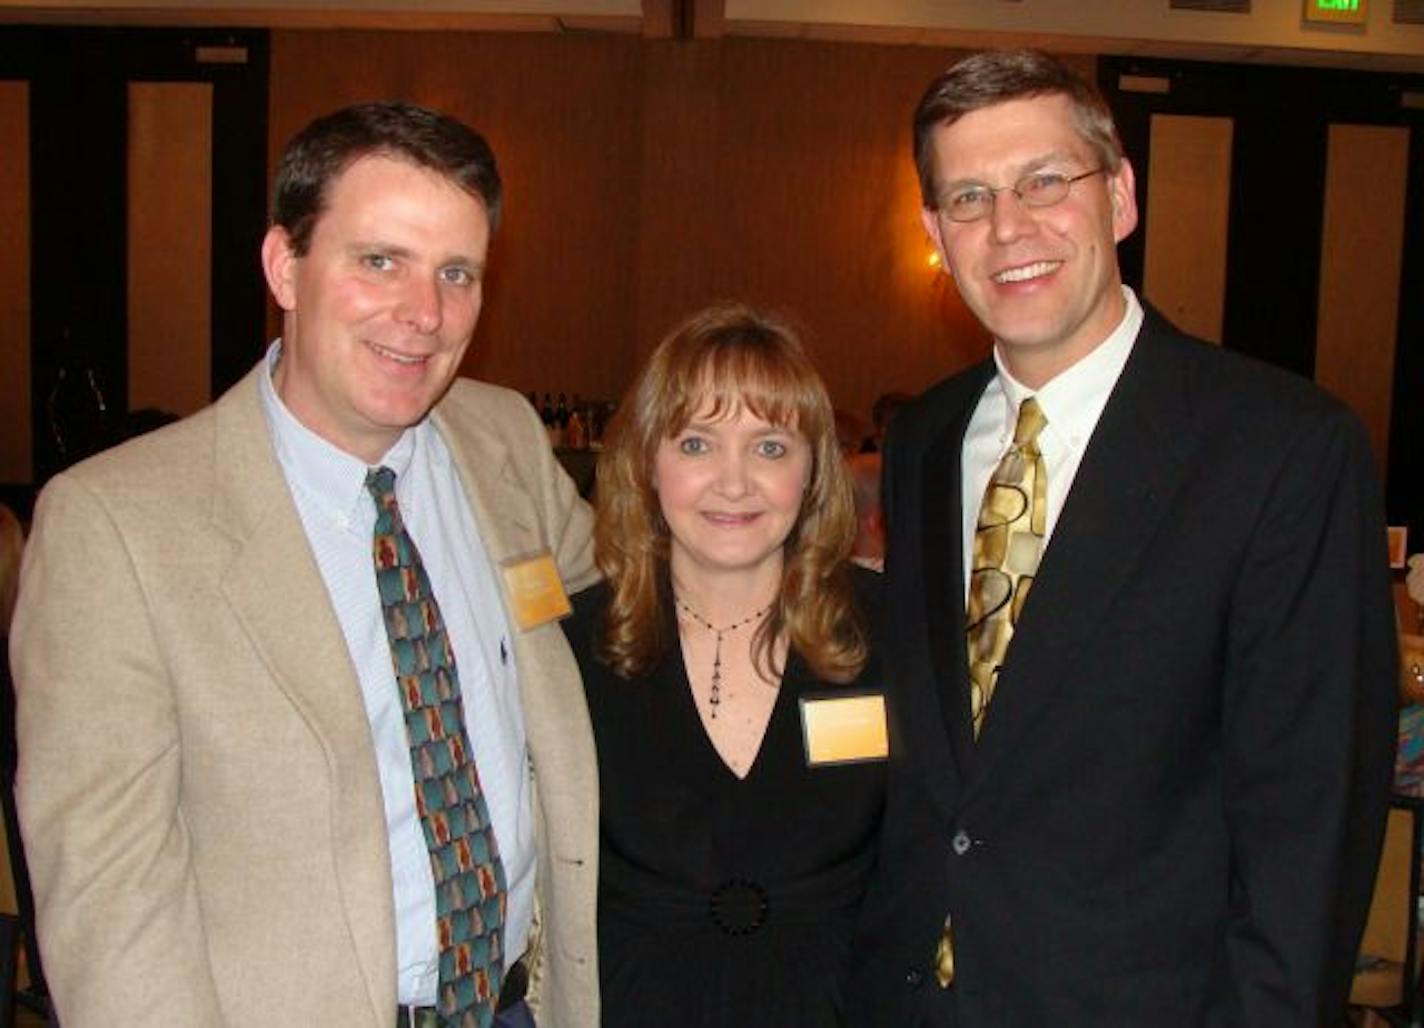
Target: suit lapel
[(944, 584), (277, 594), (1134, 464), (275, 587), (508, 528), (935, 717), (556, 724)]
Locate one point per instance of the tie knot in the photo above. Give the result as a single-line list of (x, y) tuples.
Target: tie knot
[(1030, 423), (381, 483)]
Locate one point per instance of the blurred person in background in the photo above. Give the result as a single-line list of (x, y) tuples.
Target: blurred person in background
[(868, 550), (881, 413)]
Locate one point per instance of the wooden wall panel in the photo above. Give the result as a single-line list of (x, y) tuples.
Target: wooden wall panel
[(16, 461), (1189, 198), (790, 184), (562, 115), (170, 245), (647, 178), (1360, 260), (682, 239)]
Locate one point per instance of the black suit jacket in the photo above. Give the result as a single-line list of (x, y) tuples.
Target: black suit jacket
[(1173, 813)]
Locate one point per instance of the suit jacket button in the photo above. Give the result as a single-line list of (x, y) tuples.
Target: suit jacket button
[(961, 843), (913, 978)]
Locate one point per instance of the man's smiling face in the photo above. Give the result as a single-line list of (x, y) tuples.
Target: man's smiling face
[(381, 307), (1043, 280)]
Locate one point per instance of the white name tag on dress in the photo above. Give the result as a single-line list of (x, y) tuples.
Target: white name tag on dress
[(844, 728)]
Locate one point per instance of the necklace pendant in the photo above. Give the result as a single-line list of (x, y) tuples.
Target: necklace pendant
[(714, 697), (714, 694)]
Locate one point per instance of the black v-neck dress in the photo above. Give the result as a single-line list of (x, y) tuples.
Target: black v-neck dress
[(723, 902)]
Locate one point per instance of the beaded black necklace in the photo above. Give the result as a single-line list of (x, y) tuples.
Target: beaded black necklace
[(714, 697)]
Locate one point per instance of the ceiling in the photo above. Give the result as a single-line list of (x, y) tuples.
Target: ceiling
[(1272, 31)]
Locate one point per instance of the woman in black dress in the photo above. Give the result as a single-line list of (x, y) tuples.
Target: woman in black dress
[(739, 718)]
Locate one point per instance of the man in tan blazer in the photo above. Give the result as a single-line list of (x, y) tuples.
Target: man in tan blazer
[(215, 785)]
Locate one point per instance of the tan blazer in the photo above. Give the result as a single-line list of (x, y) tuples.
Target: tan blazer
[(197, 783)]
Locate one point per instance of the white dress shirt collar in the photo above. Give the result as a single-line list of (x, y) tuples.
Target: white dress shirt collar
[(324, 472), (1074, 399)]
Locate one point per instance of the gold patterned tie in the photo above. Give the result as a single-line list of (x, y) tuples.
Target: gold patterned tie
[(1008, 539), (944, 956)]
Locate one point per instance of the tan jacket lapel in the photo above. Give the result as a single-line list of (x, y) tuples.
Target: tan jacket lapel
[(513, 497), (278, 595)]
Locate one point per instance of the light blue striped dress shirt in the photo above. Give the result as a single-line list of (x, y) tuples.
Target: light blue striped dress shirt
[(328, 486)]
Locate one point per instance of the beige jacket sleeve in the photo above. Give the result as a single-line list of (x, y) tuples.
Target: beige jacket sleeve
[(98, 781), (568, 520)]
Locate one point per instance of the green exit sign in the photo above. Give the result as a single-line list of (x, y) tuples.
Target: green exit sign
[(1349, 12)]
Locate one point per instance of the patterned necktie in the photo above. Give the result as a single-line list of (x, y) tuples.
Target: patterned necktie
[(470, 890), (1008, 540)]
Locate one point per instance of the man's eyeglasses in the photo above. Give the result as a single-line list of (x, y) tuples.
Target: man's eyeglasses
[(1039, 189)]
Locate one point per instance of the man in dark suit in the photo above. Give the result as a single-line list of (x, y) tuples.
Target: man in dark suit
[(1151, 791)]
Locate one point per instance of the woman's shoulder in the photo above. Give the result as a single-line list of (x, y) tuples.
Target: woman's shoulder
[(866, 583), (868, 589), (591, 600), (588, 607)]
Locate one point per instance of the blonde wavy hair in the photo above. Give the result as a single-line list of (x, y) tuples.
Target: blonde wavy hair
[(724, 359)]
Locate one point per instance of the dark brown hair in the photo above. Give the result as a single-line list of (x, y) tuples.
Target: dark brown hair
[(319, 153), (995, 76)]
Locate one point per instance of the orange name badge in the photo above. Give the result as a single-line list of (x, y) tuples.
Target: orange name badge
[(844, 729), (536, 592)]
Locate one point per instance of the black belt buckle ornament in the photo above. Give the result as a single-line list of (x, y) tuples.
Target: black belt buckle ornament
[(739, 906)]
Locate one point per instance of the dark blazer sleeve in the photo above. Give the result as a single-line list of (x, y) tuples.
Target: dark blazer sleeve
[(1308, 729)]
